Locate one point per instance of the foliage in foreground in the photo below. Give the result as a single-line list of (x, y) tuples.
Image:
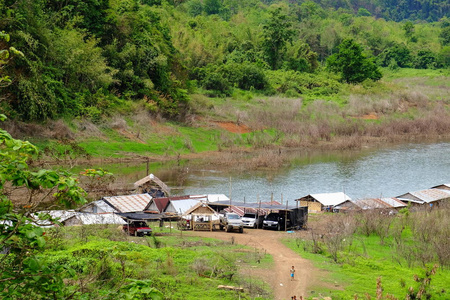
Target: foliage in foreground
[(110, 264), (77, 264)]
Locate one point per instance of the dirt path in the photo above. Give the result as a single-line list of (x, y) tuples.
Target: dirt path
[(306, 274)]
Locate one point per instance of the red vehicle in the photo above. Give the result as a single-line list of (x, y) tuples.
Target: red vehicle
[(137, 228)]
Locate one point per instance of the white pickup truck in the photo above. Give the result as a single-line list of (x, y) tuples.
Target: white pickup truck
[(231, 221)]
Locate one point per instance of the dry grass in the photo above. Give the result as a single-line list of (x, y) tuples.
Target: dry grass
[(50, 130)]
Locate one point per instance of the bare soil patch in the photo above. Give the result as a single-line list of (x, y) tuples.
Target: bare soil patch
[(278, 277), (233, 127)]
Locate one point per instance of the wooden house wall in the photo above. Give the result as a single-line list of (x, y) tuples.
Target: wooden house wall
[(312, 206)]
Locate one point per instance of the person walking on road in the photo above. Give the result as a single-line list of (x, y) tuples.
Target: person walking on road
[(292, 273)]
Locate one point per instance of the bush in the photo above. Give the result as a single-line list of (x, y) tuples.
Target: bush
[(216, 82)]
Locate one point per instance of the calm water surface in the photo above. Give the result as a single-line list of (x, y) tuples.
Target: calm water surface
[(387, 172), (375, 173)]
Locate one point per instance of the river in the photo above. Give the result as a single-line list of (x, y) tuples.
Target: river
[(386, 172)]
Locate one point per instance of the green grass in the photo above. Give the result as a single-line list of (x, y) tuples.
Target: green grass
[(184, 140), (180, 266), (362, 263), (411, 73)]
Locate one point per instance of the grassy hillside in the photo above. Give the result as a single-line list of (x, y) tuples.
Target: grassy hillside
[(407, 104), (375, 254)]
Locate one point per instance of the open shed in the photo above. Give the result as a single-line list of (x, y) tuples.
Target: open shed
[(201, 217), (153, 186)]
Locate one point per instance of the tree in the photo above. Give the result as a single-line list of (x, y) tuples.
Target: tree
[(408, 27), (398, 53), (22, 272), (351, 63), (212, 7), (277, 32), (444, 36), (362, 12), (6, 54)]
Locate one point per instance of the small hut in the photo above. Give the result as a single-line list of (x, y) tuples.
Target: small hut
[(323, 202), (201, 216), (153, 186)]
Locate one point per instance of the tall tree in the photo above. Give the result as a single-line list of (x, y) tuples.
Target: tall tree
[(444, 36), (277, 32), (352, 64)]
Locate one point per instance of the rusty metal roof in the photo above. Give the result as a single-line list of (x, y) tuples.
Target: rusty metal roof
[(129, 203), (371, 203), (445, 186), (425, 196), (393, 202)]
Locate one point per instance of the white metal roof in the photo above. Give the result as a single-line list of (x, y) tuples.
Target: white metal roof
[(426, 196), (89, 219), (212, 197), (105, 207), (129, 203), (394, 202), (60, 215), (331, 199), (181, 206)]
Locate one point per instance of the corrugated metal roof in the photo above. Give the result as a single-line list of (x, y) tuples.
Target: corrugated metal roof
[(212, 197), (371, 203), (90, 219), (427, 196), (181, 206), (196, 206), (331, 199), (394, 202), (84, 218), (274, 205), (59, 215), (129, 203), (100, 204), (445, 186)]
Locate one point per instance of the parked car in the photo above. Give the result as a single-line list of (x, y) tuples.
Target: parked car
[(274, 221), (137, 228), (250, 220), (231, 221), (291, 219)]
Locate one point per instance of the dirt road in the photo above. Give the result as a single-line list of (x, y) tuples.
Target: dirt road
[(306, 274)]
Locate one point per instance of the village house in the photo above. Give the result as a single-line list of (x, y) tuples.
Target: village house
[(323, 202), (429, 197), (391, 204)]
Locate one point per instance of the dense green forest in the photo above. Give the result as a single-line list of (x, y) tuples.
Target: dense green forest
[(95, 58)]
